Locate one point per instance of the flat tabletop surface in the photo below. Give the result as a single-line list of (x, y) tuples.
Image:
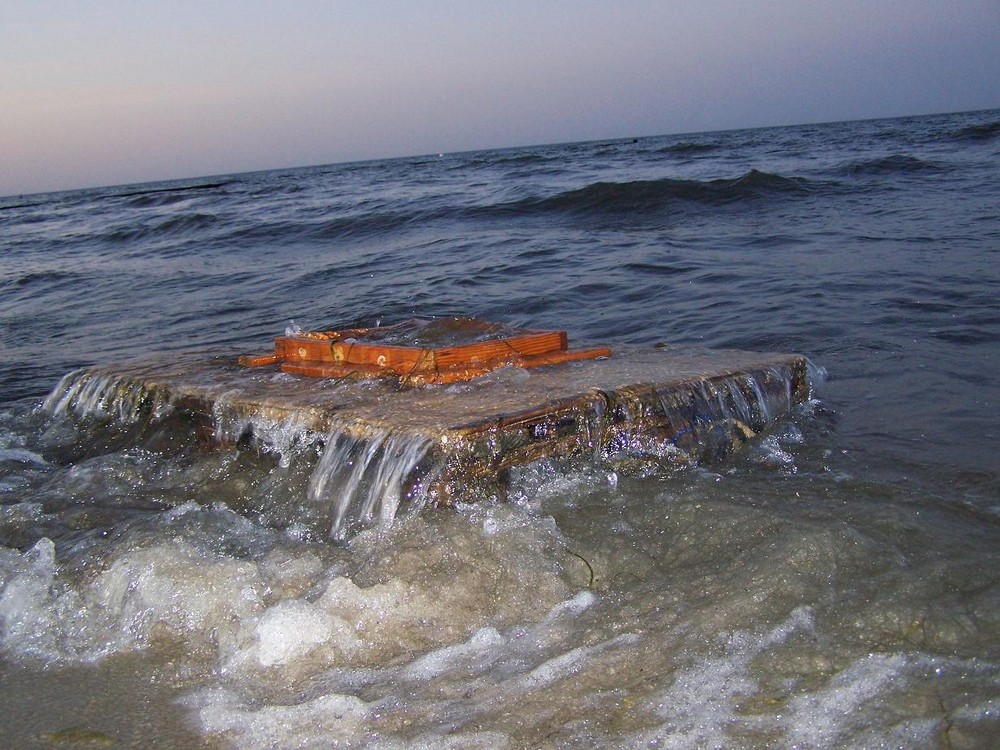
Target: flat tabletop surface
[(218, 379)]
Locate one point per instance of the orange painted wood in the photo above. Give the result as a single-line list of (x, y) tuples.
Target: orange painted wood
[(261, 361), (576, 355), (296, 348), (429, 373), (537, 343), (335, 354), (331, 370), (375, 354)]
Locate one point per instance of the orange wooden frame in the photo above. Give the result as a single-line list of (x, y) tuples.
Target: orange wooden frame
[(347, 353)]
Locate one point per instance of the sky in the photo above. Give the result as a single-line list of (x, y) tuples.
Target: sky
[(110, 92)]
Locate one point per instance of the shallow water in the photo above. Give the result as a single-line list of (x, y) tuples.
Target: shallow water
[(833, 585)]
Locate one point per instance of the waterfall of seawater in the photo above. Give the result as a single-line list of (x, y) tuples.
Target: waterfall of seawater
[(102, 396), (363, 473), (368, 471), (699, 421)]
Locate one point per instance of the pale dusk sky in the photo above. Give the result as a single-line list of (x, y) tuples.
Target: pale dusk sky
[(115, 91)]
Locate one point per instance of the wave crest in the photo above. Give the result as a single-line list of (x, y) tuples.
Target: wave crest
[(895, 164), (689, 148), (986, 131), (652, 195)]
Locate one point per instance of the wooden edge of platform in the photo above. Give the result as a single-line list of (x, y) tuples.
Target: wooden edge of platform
[(797, 363)]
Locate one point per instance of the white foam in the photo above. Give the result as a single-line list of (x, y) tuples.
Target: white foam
[(171, 585), (290, 630), (288, 639), (497, 666), (703, 700), (569, 663), (22, 456), (347, 625), (580, 602), (326, 721), (482, 648), (821, 719), (459, 741), (27, 618), (178, 586), (291, 574)]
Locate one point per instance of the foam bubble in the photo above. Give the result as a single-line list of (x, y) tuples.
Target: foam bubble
[(326, 721), (770, 453), (822, 718), (704, 699), (294, 628), (26, 615), (178, 586), (21, 456), (482, 648)]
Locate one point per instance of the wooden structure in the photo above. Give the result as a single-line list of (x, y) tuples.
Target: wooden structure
[(420, 352), (436, 443)]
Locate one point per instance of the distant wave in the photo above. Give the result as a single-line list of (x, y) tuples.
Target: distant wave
[(984, 132), (686, 148), (185, 223), (527, 158), (172, 227), (44, 277), (339, 227), (649, 268), (595, 198), (966, 335), (152, 200), (12, 206), (374, 222), (644, 195), (165, 195), (898, 163)]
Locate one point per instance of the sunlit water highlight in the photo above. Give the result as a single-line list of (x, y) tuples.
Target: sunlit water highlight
[(834, 584)]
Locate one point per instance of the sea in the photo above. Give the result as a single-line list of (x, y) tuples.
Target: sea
[(835, 583)]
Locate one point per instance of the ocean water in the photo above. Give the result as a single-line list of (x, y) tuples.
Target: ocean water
[(835, 584)]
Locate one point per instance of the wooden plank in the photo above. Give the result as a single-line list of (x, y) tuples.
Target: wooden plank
[(332, 370), (482, 351), (573, 355), (391, 357), (426, 372), (263, 360), (296, 349)]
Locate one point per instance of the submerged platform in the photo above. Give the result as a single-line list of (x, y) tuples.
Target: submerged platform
[(381, 444)]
